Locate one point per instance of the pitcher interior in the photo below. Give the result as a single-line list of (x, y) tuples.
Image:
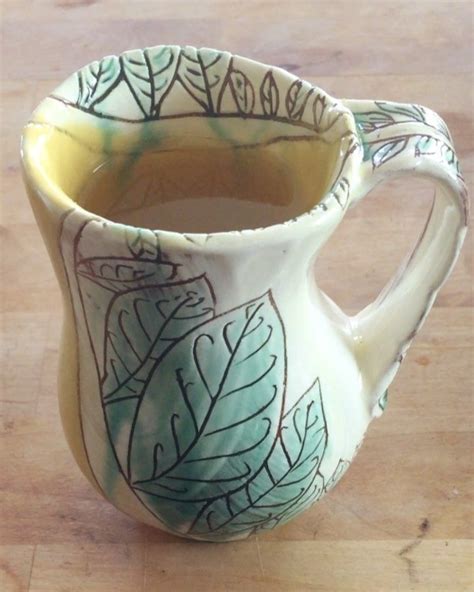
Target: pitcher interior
[(193, 172)]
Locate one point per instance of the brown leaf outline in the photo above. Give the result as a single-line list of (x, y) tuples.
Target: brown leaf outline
[(388, 151), (269, 95), (242, 92), (97, 80), (296, 99)]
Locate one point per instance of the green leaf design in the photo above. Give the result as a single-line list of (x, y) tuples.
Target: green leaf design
[(97, 80), (201, 73), (389, 150), (287, 482), (193, 402), (223, 399), (296, 98), (448, 154), (426, 145), (373, 120), (149, 75), (141, 324), (138, 76), (269, 95), (388, 114)]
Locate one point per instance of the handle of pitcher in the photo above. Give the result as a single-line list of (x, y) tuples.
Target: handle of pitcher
[(404, 139)]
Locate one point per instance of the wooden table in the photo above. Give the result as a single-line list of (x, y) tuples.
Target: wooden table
[(402, 519)]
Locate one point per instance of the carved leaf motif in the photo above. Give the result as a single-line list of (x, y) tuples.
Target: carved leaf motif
[(149, 75), (324, 114), (199, 73), (141, 324), (296, 99), (319, 109), (388, 151), (96, 80), (135, 322), (341, 192), (191, 75), (388, 114), (373, 120), (288, 482), (122, 273), (163, 64), (426, 145), (269, 95), (217, 418), (407, 112), (138, 76), (143, 244), (242, 91), (193, 402)]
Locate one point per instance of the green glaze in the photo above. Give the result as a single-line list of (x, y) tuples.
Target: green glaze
[(195, 402)]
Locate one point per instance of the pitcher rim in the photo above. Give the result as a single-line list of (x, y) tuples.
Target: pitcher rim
[(335, 200)]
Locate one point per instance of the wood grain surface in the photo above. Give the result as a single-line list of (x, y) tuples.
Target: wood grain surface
[(402, 518)]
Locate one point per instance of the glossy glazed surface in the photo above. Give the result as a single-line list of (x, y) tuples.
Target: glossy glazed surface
[(234, 418)]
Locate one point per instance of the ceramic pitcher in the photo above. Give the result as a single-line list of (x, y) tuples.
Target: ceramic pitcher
[(207, 386)]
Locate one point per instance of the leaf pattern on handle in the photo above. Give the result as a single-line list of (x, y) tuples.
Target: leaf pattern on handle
[(288, 481), (426, 145), (97, 80), (269, 95), (388, 151), (373, 120), (402, 113), (381, 143), (222, 389), (388, 114)]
